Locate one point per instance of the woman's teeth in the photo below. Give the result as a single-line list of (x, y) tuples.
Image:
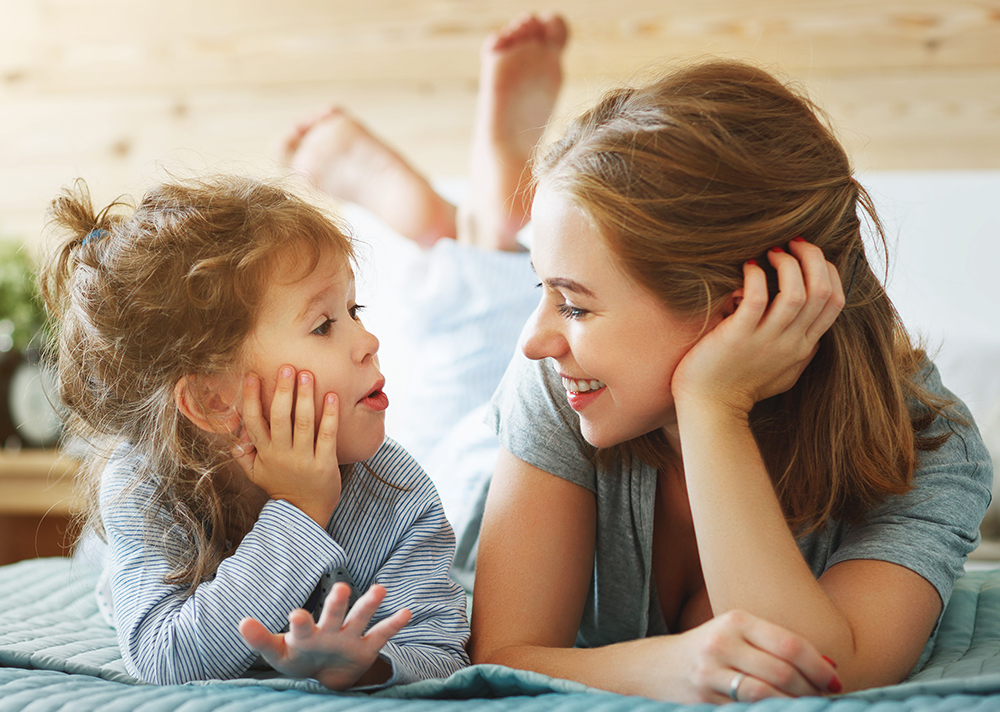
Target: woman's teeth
[(575, 386)]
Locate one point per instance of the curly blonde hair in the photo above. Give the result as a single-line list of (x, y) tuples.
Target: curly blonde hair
[(142, 296)]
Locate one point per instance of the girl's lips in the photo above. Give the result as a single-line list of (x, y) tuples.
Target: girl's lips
[(377, 399)]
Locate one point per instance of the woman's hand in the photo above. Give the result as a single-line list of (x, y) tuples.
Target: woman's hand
[(737, 656), (762, 348), (290, 459), (336, 651)]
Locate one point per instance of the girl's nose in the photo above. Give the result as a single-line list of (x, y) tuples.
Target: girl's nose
[(366, 345), (541, 338)]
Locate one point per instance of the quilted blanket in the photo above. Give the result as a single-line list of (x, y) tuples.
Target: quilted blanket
[(56, 653)]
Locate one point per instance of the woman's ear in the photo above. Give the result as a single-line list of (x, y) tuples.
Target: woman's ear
[(732, 303), (208, 402)]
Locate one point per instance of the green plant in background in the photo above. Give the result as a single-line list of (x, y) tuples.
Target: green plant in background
[(21, 315)]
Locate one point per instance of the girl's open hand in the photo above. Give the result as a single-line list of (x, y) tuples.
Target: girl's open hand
[(291, 459), (336, 651), (762, 348), (742, 657)]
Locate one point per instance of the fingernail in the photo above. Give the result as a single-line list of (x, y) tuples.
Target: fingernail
[(286, 372), (330, 398), (304, 378), (798, 239), (834, 687), (752, 263), (832, 664), (776, 249)]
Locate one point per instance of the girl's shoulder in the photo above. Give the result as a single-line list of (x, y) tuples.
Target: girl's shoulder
[(394, 468), (124, 477)]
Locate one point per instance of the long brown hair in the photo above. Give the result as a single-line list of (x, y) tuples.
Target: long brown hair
[(707, 167), (142, 296)]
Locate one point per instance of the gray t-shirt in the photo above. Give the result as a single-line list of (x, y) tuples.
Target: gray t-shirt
[(929, 530)]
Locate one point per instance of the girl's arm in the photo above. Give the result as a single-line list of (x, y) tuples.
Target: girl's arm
[(169, 637), (533, 573), (401, 547), (872, 617)]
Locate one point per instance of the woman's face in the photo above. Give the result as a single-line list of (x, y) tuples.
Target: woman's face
[(614, 344)]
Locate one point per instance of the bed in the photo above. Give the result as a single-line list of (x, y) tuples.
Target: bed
[(56, 653)]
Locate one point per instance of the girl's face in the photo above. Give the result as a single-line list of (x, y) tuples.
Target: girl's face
[(312, 324), (614, 344)]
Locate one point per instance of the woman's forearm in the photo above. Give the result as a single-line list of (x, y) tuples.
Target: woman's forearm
[(749, 557)]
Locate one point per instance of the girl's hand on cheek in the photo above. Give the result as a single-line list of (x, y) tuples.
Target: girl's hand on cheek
[(290, 459), (761, 349)]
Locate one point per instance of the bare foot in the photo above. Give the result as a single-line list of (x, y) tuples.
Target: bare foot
[(342, 158), (519, 80)]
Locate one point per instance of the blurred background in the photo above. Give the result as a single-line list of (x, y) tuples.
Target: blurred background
[(111, 90), (119, 91)]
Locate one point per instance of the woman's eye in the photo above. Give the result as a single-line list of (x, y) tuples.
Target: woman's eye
[(324, 328), (353, 311), (571, 312)]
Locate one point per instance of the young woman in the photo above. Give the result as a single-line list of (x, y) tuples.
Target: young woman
[(726, 472)]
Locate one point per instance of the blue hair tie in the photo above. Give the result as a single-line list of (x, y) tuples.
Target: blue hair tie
[(94, 235)]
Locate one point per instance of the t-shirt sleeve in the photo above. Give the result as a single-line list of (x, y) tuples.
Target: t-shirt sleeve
[(534, 422), (932, 528)]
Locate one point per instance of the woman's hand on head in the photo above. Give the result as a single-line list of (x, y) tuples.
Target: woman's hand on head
[(336, 651), (762, 348), (742, 657), (290, 458)]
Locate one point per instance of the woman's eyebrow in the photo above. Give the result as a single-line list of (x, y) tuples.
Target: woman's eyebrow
[(570, 285)]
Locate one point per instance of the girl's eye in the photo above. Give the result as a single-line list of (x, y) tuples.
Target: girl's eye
[(571, 312), (353, 311), (324, 328)]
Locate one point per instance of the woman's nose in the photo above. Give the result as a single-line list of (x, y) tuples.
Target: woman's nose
[(541, 338)]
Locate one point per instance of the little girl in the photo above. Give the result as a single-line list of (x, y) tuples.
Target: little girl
[(180, 323)]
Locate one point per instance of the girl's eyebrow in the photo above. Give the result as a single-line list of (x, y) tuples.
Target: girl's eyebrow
[(315, 301)]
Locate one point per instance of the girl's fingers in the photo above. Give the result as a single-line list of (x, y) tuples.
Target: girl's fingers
[(326, 438), (305, 415), (281, 407), (382, 631), (300, 624), (253, 421), (365, 608), (335, 606), (260, 639)]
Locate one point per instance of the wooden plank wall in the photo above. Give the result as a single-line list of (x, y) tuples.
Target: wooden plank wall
[(114, 90)]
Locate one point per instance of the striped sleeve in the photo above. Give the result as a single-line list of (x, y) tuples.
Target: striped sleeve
[(167, 637), (396, 535)]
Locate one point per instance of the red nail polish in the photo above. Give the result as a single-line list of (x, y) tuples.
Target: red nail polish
[(752, 262), (834, 687), (776, 249), (832, 664), (798, 239)]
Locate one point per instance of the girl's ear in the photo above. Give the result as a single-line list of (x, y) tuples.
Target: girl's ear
[(208, 402)]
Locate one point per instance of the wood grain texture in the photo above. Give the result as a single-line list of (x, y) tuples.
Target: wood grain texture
[(116, 90)]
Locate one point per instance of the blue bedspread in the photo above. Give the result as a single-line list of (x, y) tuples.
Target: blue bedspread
[(57, 653)]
